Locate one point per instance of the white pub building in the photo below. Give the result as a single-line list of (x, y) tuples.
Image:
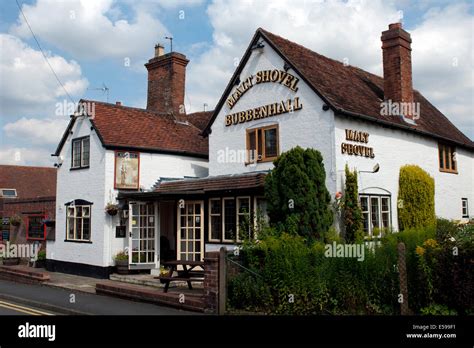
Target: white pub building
[(183, 183)]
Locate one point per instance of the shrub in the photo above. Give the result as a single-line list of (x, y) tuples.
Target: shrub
[(41, 255), (415, 198), (289, 276), (121, 256), (15, 220), (296, 194), (436, 309), (352, 212)]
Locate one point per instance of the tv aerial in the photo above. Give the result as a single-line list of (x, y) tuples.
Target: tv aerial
[(104, 89)]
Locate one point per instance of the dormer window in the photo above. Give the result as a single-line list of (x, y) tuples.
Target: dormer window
[(447, 158), (80, 153)]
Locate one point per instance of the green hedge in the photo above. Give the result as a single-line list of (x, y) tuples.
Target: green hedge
[(296, 278), (415, 198)]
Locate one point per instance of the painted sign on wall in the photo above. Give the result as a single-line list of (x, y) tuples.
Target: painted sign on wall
[(356, 149)]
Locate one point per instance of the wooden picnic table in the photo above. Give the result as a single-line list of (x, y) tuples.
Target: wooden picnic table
[(187, 274)]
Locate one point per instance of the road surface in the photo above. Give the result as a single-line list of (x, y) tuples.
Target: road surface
[(19, 298)]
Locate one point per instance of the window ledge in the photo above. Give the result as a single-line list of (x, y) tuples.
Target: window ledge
[(448, 171), (79, 168), (78, 241)]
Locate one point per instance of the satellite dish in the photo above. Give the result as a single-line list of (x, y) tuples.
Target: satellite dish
[(376, 168)]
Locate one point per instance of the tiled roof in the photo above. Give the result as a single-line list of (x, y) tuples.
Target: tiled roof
[(213, 183), (199, 119), (29, 182), (126, 127), (353, 91)]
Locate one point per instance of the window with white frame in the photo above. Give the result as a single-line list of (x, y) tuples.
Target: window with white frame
[(80, 152), (78, 223), (243, 217), (227, 217), (465, 208), (215, 220), (376, 213)]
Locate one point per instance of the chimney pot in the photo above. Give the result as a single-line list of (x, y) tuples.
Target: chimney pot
[(395, 26), (118, 103), (159, 50)]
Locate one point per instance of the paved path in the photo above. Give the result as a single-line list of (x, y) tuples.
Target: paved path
[(77, 302)]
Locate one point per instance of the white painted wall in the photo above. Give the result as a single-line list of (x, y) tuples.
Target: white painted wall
[(152, 167), (87, 184), (395, 148), (310, 127), (96, 184)]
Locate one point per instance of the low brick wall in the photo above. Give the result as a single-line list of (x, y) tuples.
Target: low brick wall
[(22, 275), (192, 302), (211, 281)]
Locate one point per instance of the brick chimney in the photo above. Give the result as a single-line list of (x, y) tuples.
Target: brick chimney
[(166, 79), (396, 49)]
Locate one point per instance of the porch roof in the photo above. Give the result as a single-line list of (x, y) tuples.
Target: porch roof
[(213, 183), (223, 183)]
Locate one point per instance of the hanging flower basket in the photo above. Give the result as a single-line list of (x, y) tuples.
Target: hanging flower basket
[(111, 209), (15, 220)]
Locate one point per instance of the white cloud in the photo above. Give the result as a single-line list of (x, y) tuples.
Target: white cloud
[(443, 62), (337, 29), (178, 3), (26, 156), (344, 29), (92, 29), (37, 131), (27, 83)]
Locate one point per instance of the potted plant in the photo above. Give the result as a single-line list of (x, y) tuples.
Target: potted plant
[(15, 220), (164, 272), (11, 261), (121, 262), (49, 222), (40, 259), (112, 209)]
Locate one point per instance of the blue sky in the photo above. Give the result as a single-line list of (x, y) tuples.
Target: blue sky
[(88, 43)]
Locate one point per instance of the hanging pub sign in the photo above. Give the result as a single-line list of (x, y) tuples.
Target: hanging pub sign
[(356, 149), (127, 170)]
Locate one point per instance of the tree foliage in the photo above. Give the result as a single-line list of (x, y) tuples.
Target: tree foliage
[(296, 194)]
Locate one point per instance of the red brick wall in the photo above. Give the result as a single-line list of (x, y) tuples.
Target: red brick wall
[(211, 281), (166, 81), (397, 71), (24, 208)]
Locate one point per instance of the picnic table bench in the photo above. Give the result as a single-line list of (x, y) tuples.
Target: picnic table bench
[(189, 273)]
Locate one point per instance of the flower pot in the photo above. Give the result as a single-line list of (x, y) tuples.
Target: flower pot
[(122, 266), (40, 264), (50, 223), (11, 261)]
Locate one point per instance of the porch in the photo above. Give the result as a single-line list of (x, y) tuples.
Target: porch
[(182, 219)]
